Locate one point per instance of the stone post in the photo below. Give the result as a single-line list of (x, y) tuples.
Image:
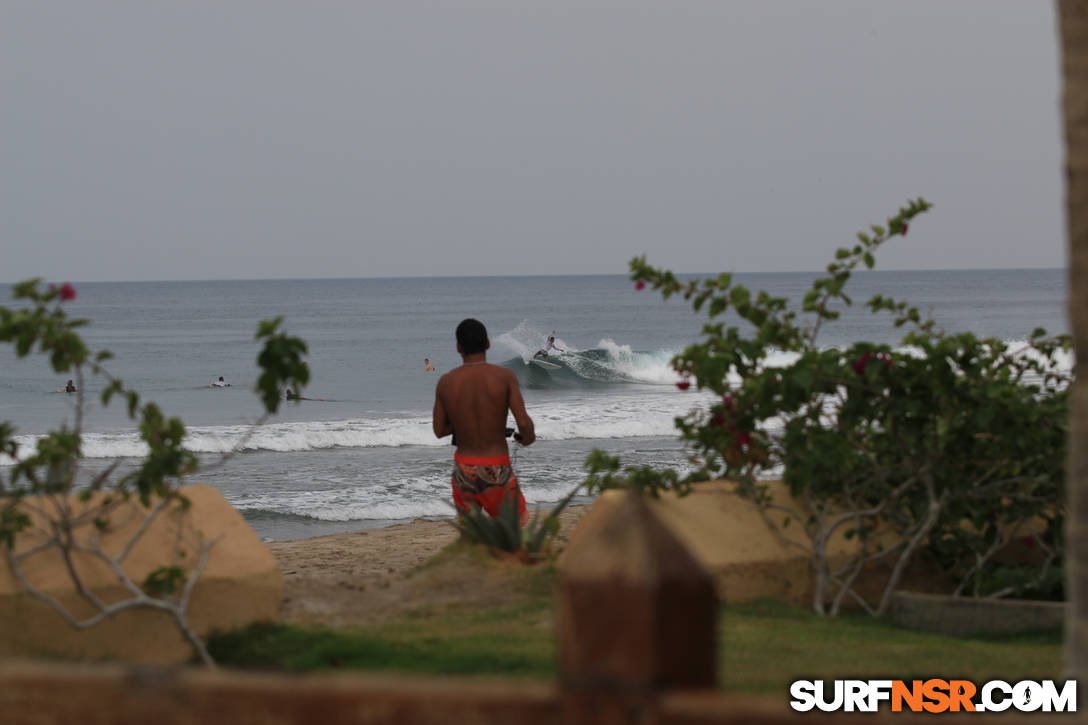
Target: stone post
[(636, 614)]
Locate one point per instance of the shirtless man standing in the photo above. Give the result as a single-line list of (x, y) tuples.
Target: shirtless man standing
[(471, 402)]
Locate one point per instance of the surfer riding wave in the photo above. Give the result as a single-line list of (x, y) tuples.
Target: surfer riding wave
[(542, 353)]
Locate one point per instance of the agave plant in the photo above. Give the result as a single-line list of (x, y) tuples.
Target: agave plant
[(504, 533)]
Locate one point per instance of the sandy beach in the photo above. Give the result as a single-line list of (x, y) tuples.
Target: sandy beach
[(375, 575), (370, 576)]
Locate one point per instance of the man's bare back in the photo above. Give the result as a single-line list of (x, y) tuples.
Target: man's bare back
[(471, 402)]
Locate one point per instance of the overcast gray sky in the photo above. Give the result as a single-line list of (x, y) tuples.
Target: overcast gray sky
[(256, 138)]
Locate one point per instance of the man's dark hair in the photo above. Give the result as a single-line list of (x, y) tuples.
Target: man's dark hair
[(471, 336)]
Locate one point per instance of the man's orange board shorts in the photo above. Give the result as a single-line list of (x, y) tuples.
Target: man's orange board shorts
[(485, 481)]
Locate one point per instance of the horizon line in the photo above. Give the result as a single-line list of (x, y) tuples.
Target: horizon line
[(542, 276)]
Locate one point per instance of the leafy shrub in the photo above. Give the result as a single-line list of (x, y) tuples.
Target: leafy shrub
[(947, 443), (504, 533)]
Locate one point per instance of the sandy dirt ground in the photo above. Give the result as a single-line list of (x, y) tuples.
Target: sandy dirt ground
[(376, 575), (366, 577)]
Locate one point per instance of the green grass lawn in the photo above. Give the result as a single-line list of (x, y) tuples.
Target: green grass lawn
[(515, 641), (762, 647), (765, 645)]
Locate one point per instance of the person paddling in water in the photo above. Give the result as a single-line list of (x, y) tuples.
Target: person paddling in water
[(69, 387), (220, 383), (542, 353), (471, 402)]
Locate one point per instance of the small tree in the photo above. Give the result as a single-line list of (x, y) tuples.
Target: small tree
[(951, 443), (53, 471)]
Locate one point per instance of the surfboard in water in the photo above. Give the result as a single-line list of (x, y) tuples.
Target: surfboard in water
[(545, 364)]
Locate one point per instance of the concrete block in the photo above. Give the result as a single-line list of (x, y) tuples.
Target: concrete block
[(731, 540), (967, 616), (240, 584), (636, 610)]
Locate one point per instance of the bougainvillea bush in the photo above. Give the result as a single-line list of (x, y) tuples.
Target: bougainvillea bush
[(944, 445)]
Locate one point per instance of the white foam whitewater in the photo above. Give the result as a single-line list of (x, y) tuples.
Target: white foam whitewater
[(620, 413)]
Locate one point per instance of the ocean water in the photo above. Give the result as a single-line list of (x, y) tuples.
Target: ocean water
[(364, 454)]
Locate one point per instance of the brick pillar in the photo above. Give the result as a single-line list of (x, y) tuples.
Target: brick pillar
[(637, 614)]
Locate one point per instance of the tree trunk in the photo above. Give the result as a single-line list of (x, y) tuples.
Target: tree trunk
[(1073, 27)]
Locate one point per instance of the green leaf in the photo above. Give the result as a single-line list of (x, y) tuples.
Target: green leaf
[(163, 580)]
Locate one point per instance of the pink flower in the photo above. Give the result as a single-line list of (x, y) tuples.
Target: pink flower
[(640, 285), (684, 384), (905, 227), (727, 402), (717, 419), (743, 438), (1029, 541), (67, 291), (861, 363)]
